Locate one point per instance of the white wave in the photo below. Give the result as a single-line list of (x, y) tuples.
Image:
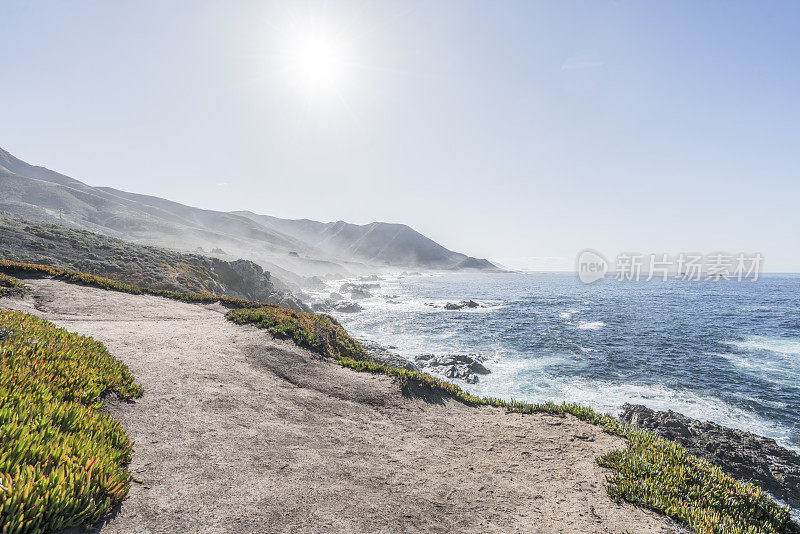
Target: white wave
[(767, 358), (780, 345), (591, 325), (533, 381)]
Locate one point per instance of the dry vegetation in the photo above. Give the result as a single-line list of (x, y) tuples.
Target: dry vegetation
[(10, 286)]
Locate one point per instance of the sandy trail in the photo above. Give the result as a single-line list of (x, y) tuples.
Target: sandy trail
[(238, 432)]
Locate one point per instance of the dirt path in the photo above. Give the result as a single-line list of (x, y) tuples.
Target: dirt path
[(238, 432)]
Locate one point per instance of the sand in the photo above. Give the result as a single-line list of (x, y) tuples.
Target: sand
[(238, 432)]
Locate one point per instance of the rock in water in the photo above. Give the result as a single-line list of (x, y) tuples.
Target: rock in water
[(339, 305), (347, 307), (381, 354), (743, 455), (461, 305), (358, 291), (464, 367)]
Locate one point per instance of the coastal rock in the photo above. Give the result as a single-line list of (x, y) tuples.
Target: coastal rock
[(371, 278), (358, 291), (314, 282), (381, 354), (461, 305), (320, 306), (339, 305), (360, 294), (254, 282), (464, 367), (347, 307), (743, 455)]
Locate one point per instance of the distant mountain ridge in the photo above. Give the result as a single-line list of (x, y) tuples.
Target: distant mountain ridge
[(291, 249), (384, 243)]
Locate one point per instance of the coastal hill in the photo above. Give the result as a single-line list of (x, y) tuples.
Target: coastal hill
[(290, 249), (143, 265), (378, 242)]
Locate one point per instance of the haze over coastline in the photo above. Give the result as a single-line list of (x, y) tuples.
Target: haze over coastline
[(520, 132)]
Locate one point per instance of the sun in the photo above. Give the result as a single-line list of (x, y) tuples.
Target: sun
[(317, 62)]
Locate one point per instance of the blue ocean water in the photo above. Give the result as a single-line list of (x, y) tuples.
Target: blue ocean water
[(723, 351)]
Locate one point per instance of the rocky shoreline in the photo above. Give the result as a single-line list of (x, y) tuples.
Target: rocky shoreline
[(466, 367), (743, 455)]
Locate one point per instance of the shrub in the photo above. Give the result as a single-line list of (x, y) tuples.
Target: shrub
[(10, 286), (317, 332)]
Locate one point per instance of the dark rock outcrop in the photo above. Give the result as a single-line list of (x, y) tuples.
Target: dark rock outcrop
[(254, 283), (461, 305), (347, 307), (335, 303), (464, 367), (743, 455), (358, 291), (381, 354)]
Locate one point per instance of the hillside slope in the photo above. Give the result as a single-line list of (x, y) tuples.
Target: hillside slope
[(148, 266), (286, 247)]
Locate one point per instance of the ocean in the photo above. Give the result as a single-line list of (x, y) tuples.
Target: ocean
[(723, 351)]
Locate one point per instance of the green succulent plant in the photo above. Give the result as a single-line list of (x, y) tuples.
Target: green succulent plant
[(62, 460)]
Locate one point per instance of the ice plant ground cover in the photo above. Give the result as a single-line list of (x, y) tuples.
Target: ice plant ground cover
[(649, 471), (62, 459)]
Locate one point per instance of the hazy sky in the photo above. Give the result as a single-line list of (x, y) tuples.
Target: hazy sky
[(518, 131)]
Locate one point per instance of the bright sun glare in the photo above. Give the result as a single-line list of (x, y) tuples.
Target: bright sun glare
[(317, 62)]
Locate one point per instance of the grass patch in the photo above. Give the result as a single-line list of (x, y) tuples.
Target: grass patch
[(11, 286), (314, 331), (62, 460), (651, 471)]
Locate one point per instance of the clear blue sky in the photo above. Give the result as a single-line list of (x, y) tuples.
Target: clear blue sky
[(519, 131)]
